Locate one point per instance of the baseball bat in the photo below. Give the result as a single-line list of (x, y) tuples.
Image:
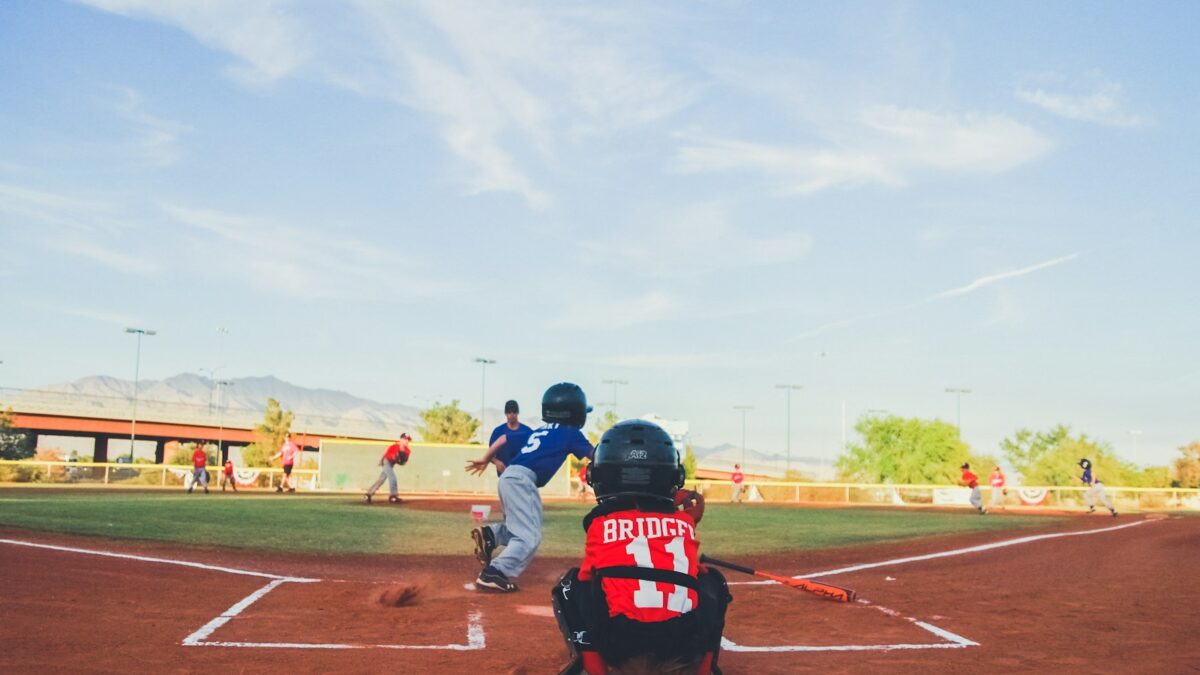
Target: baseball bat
[(818, 588)]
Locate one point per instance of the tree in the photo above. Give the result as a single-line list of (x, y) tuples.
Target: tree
[(904, 450), (447, 424), (275, 426), (13, 444), (689, 461), (1187, 467), (1026, 448), (1052, 458), (603, 423)]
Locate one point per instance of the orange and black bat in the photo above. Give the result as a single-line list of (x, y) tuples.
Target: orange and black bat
[(818, 588)]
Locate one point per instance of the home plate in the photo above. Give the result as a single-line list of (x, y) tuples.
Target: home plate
[(536, 610)]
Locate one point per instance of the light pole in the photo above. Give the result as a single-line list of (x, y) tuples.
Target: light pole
[(137, 367), (743, 408), (789, 388), (483, 364), (221, 384), (614, 383), (958, 392), (1135, 433)]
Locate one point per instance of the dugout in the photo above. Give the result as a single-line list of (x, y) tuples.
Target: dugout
[(353, 465)]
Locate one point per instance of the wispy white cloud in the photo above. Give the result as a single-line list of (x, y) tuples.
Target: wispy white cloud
[(975, 285), (270, 42), (302, 262), (505, 85), (610, 313), (155, 143), (85, 227), (1101, 105), (696, 240), (889, 145), (113, 318), (990, 279)]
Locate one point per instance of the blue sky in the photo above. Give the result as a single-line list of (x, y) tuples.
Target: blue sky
[(876, 201)]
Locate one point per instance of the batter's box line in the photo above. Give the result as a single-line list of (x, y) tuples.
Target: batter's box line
[(475, 636), (950, 640)]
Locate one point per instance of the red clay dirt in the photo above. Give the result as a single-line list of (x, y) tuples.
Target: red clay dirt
[(1120, 601)]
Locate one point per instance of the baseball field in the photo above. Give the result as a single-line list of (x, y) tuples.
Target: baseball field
[(103, 581)]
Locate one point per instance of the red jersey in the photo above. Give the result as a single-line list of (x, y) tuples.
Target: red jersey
[(228, 468), (199, 459), (666, 541), (970, 479), (997, 479), (395, 451), (737, 478)]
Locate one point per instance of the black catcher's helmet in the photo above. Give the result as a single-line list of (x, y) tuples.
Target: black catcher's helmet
[(635, 457), (565, 403), (1085, 463)]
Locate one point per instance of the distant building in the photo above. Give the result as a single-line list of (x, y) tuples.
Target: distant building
[(678, 429)]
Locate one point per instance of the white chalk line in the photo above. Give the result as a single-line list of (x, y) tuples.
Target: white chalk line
[(475, 635), (951, 640), (947, 554), (164, 561)]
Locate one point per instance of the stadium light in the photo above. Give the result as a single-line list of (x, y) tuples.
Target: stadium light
[(958, 392), (614, 383), (137, 366), (789, 388), (1135, 433), (743, 408), (483, 364), (221, 384)]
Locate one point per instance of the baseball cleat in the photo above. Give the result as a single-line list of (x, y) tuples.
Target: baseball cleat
[(485, 544), (1091, 509), (493, 579), (1114, 514), (278, 488), (394, 499), (368, 499)]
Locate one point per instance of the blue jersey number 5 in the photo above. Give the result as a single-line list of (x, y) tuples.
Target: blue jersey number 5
[(535, 440)]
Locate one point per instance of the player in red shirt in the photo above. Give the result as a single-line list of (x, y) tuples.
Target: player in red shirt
[(227, 476), (998, 489), (640, 592), (396, 453), (199, 472), (972, 481), (737, 478)]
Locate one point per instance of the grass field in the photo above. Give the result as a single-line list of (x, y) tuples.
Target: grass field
[(342, 525)]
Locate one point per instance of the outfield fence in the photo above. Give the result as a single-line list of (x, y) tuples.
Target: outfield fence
[(351, 466)]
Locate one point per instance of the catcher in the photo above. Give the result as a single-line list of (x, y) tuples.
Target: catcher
[(641, 596)]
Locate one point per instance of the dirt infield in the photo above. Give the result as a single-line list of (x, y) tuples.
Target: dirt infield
[(1110, 600)]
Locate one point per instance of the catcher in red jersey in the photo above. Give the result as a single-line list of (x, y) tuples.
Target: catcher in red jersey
[(641, 594)]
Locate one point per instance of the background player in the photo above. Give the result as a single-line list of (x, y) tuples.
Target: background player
[(1095, 490), (287, 453), (510, 436), (564, 411), (396, 453), (641, 593), (199, 470), (737, 478), (998, 489), (972, 481), (227, 476)]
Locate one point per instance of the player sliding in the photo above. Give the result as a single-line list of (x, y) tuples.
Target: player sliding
[(564, 412), (641, 598)]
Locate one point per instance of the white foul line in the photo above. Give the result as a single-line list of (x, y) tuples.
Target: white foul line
[(952, 641), (475, 634), (947, 554), (165, 561)]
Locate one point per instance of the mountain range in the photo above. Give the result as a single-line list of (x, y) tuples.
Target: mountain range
[(240, 402)]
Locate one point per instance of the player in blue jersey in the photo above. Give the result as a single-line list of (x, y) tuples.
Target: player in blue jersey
[(511, 437), (1095, 491), (564, 412)]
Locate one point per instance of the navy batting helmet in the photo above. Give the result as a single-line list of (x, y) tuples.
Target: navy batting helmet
[(635, 457), (565, 403), (1085, 463)]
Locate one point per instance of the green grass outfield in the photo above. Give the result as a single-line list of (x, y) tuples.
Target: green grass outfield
[(343, 525)]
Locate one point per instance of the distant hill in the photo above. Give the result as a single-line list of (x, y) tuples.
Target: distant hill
[(192, 397)]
